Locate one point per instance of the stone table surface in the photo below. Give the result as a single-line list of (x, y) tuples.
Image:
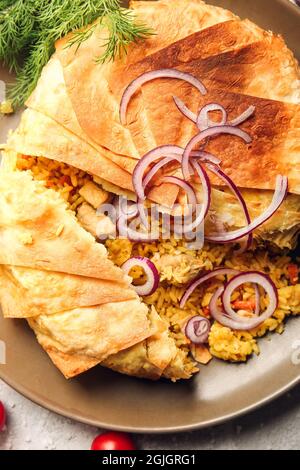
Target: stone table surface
[(30, 427)]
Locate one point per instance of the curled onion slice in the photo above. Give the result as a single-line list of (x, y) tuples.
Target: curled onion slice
[(234, 189), (150, 270), (134, 235), (210, 132), (184, 109), (229, 317), (278, 198), (257, 278), (197, 329), (146, 160), (194, 118), (203, 121), (189, 190), (243, 117), (153, 75), (196, 283), (151, 173), (206, 186)]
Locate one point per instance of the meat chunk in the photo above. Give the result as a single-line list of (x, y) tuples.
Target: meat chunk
[(98, 225), (93, 194)]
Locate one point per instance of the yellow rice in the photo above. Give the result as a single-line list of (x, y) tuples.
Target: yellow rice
[(223, 343)]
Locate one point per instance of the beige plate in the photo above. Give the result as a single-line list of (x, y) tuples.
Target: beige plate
[(222, 391)]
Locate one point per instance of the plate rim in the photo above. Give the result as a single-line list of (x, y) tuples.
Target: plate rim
[(61, 411)]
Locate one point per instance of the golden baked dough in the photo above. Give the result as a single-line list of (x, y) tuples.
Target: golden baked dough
[(79, 304), (27, 293), (94, 331), (30, 218), (64, 146)]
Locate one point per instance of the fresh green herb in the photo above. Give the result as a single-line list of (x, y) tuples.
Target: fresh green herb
[(29, 29)]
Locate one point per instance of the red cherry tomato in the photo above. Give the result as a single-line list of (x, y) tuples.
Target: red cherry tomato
[(2, 416), (112, 441)]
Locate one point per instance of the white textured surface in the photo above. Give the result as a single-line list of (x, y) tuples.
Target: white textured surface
[(277, 426)]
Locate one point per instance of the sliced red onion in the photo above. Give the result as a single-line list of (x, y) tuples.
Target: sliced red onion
[(151, 173), (234, 189), (257, 300), (254, 277), (204, 117), (143, 213), (243, 117), (220, 316), (184, 109), (153, 75), (197, 330), (151, 272), (230, 318), (205, 182), (146, 160), (196, 283), (189, 190), (212, 131), (278, 198), (133, 235), (126, 231), (203, 156), (203, 121), (206, 157), (206, 186)]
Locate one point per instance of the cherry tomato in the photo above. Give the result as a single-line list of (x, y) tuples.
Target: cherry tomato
[(112, 441), (245, 305), (2, 416)]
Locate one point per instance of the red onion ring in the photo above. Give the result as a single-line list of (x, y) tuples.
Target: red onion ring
[(197, 330), (220, 316), (231, 319), (196, 283), (203, 156), (184, 109), (153, 75), (132, 235), (193, 116), (254, 277), (127, 208), (151, 173), (143, 213), (151, 272), (278, 198), (192, 200), (243, 117), (203, 121), (257, 300), (234, 189), (210, 132), (205, 182), (146, 160)]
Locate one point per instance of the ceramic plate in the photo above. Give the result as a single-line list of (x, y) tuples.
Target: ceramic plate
[(221, 391)]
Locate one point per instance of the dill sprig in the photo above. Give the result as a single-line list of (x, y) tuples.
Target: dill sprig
[(30, 28)]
